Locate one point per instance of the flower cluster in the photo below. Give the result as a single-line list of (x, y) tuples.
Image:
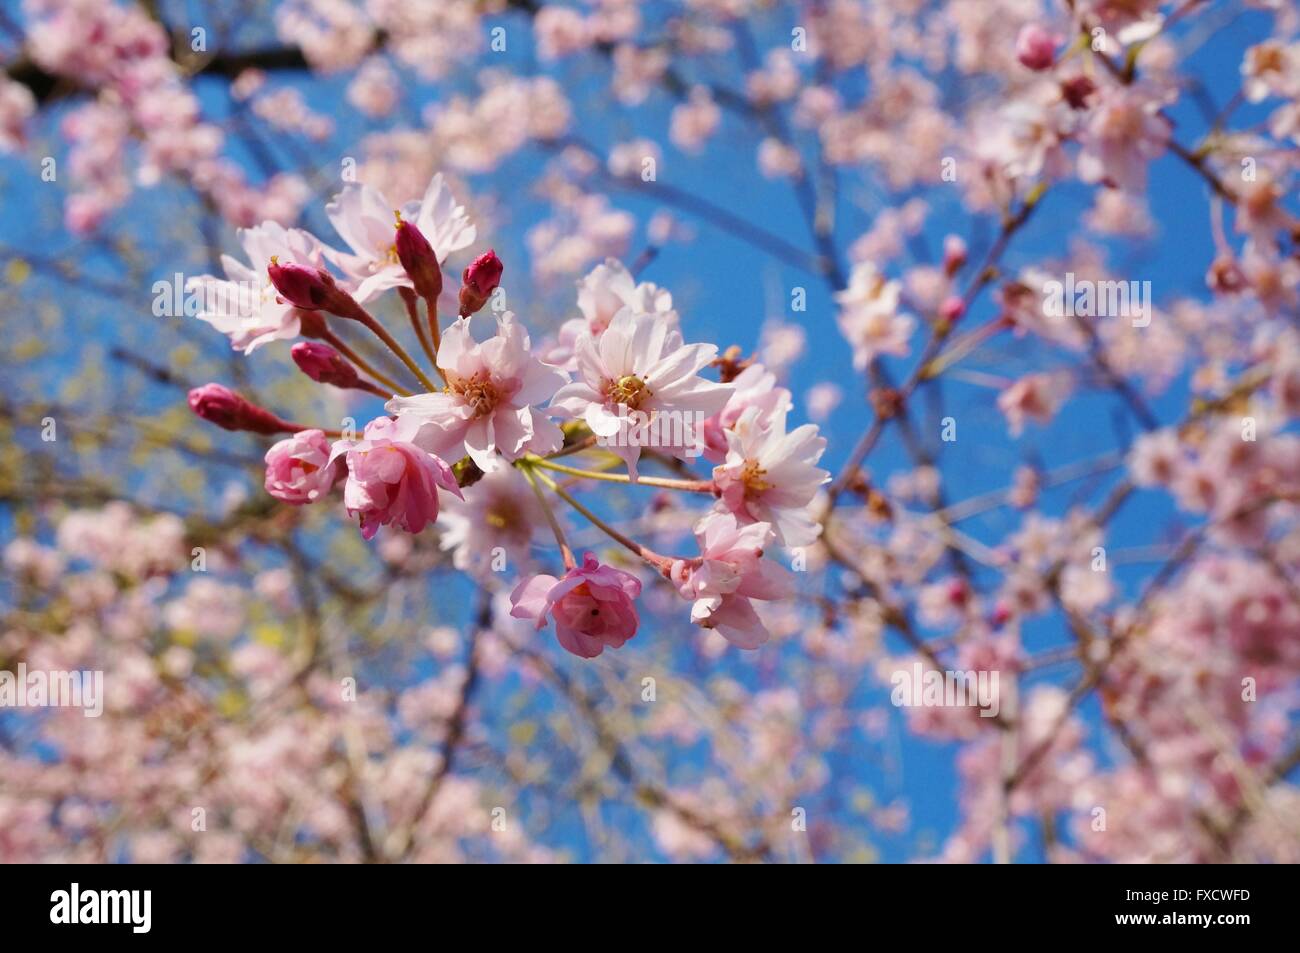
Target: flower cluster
[(473, 452)]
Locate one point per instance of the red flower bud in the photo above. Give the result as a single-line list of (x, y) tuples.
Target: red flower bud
[(223, 407), (479, 281), (301, 286), (1077, 90), (323, 364), (417, 258)]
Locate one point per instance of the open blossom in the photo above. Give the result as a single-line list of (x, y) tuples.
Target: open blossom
[(1124, 133), (593, 606), (754, 387), (497, 517), (299, 469), (729, 572), (771, 476), (486, 407), (244, 305), (1035, 396), (391, 481), (869, 317), (602, 293), (633, 379), (364, 219), (16, 106)]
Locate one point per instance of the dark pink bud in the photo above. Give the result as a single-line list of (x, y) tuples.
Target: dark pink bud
[(479, 281), (1036, 47), (417, 258), (1076, 91), (301, 286), (223, 407), (323, 364), (952, 308)]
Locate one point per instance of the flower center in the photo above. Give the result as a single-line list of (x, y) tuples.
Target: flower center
[(479, 392), (629, 391), (754, 477)]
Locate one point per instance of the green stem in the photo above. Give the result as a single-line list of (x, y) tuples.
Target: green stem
[(565, 551), (690, 486), (660, 563), (333, 341)]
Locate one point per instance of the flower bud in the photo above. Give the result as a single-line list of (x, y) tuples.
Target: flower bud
[(952, 308), (417, 258), (323, 364), (1077, 90), (223, 407), (1036, 47), (954, 254), (301, 286), (479, 281)]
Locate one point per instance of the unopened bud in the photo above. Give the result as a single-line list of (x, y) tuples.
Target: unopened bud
[(301, 286), (953, 307), (954, 254), (223, 407), (479, 281), (417, 258), (323, 364), (1036, 47)]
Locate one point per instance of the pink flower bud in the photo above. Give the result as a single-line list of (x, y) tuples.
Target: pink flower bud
[(301, 286), (953, 308), (418, 259), (954, 254), (479, 281), (1035, 47), (323, 364), (223, 407)]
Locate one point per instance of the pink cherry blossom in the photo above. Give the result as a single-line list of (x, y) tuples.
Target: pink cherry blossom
[(593, 606), (771, 476), (755, 387), (602, 293), (493, 525), (869, 316), (486, 408), (300, 469), (728, 573), (1124, 133), (636, 374), (244, 305), (392, 481), (1034, 396), (364, 219)]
